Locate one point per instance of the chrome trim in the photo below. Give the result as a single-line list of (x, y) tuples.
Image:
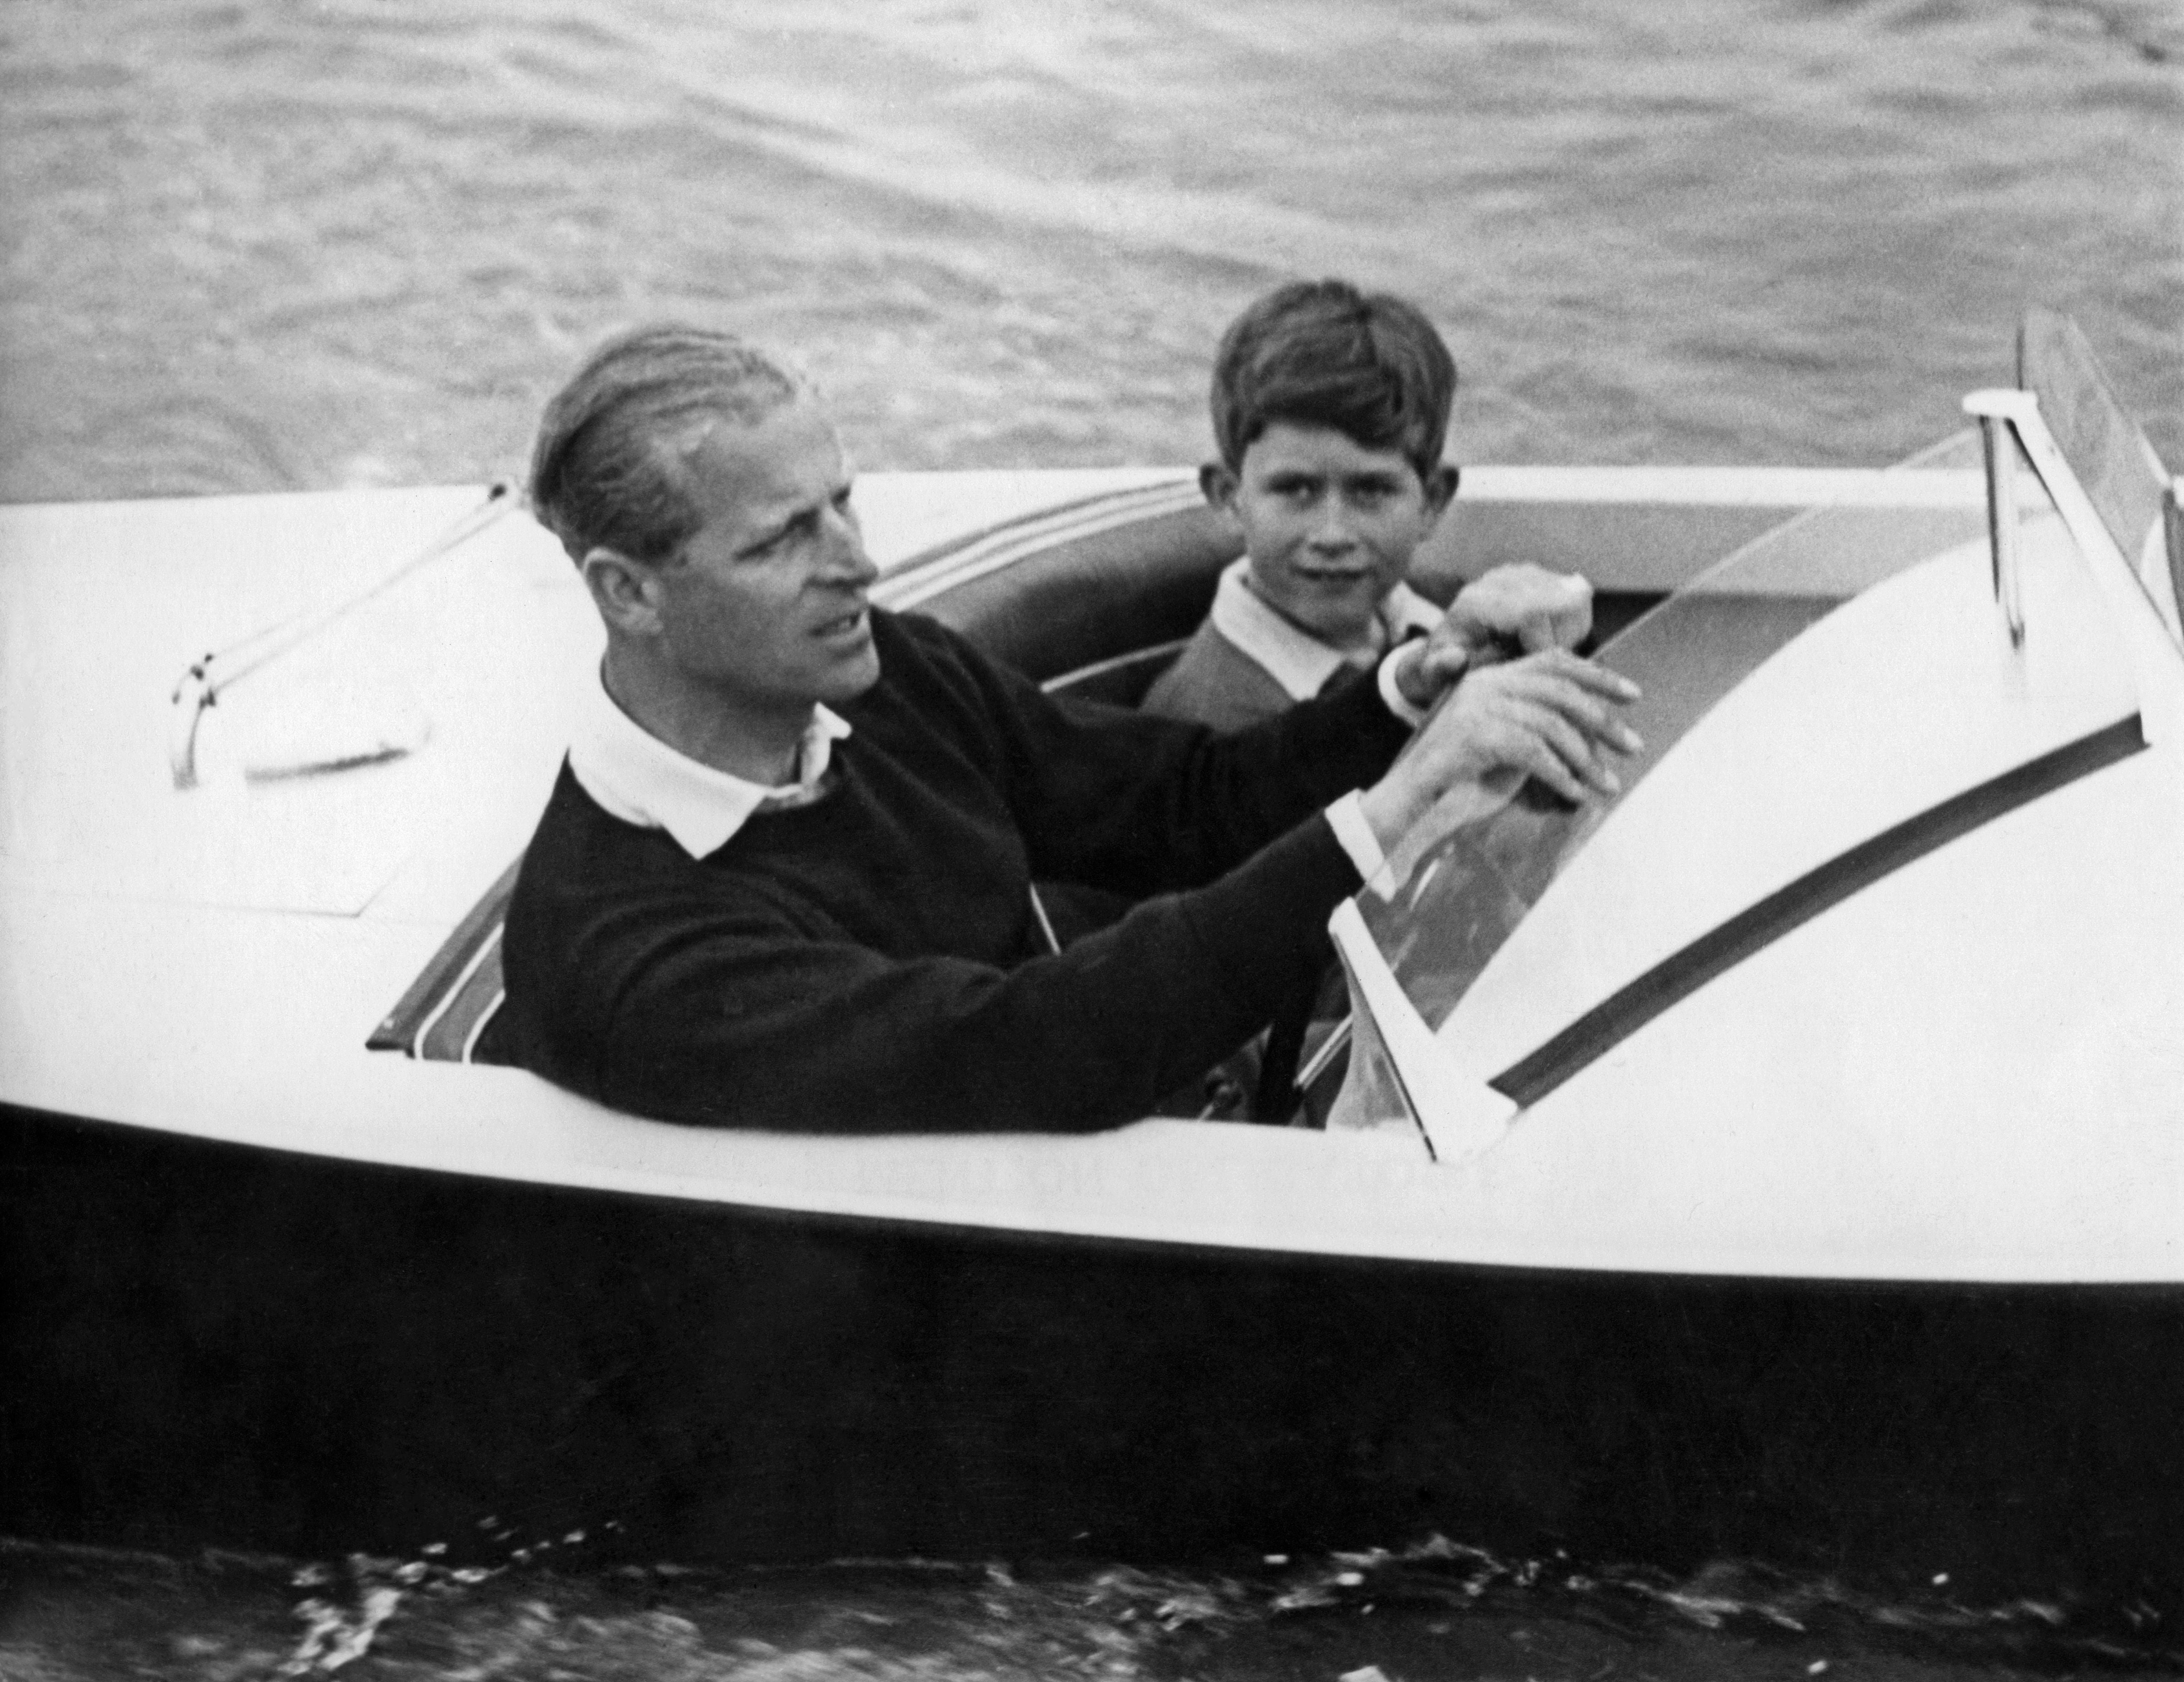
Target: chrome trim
[(203, 684), (1999, 449), (2172, 535)]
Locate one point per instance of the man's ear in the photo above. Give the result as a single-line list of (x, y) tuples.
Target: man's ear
[(1217, 483), (625, 592), (1440, 487)]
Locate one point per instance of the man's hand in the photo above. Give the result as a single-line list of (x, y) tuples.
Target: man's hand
[(1549, 715), (1522, 608)]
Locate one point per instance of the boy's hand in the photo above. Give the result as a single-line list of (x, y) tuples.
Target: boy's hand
[(1516, 609), (1549, 715)]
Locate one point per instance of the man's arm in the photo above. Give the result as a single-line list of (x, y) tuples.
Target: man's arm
[(741, 1017), (1144, 804), (738, 1014), (713, 1001)]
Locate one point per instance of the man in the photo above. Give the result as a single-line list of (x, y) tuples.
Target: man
[(784, 878)]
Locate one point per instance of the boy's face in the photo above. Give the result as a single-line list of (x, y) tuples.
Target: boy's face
[(1330, 526)]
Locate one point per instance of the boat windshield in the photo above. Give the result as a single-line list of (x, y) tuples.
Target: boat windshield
[(2112, 459), (1463, 893), (1465, 887)]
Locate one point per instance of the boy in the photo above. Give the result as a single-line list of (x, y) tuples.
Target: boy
[(1330, 409)]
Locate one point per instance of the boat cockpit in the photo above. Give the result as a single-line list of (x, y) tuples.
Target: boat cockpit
[(1829, 706), (1896, 844)]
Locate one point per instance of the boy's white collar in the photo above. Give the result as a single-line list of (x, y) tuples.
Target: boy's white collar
[(1295, 659)]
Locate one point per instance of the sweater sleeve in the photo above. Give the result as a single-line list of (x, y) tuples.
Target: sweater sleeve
[(1144, 804), (740, 1017)]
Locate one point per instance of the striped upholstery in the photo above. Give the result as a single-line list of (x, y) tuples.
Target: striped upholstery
[(446, 1012), (1072, 588), (1094, 598)]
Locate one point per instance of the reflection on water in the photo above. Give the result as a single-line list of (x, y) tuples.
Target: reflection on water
[(1436, 1610), (254, 245)]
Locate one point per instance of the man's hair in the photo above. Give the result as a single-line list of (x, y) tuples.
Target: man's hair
[(1323, 353), (604, 471)]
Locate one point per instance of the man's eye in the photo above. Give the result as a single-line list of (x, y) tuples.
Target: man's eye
[(767, 548), (801, 529)]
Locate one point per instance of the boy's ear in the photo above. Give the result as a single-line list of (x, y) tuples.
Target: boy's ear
[(625, 592), (1217, 483), (1440, 487)]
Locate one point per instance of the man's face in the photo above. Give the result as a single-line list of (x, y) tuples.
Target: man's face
[(1330, 525), (766, 606)]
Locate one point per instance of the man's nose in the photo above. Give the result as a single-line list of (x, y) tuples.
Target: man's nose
[(845, 561)]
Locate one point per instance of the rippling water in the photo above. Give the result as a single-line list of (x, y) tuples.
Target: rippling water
[(258, 245), (1435, 1611), (270, 244)]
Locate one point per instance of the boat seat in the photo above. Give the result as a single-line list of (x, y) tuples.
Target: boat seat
[(1094, 601), (447, 1014), (1072, 596)]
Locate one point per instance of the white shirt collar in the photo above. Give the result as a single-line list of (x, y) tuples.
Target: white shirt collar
[(638, 778), (1295, 659)]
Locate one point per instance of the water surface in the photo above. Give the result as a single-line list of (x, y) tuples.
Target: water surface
[(259, 244)]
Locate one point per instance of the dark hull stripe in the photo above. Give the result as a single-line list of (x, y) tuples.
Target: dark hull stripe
[(1682, 974)]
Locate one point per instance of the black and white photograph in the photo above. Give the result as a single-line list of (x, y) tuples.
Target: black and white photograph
[(954, 839)]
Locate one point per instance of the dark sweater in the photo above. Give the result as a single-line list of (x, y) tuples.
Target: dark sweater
[(869, 960)]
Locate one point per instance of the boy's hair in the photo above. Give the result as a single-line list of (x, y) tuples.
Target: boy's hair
[(1323, 353), (604, 472)]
